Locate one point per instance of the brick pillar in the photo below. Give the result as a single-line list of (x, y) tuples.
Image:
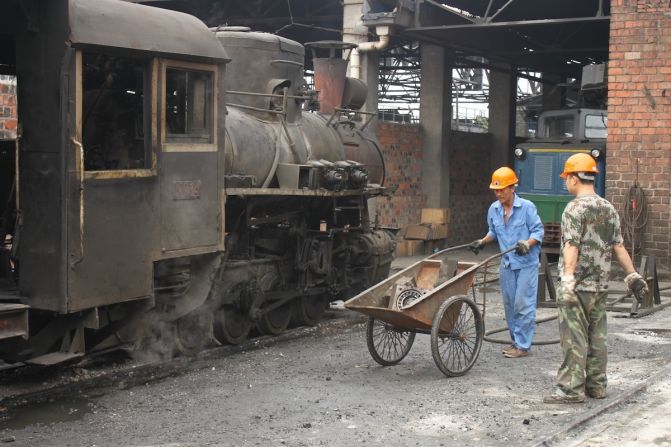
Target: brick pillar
[(639, 113)]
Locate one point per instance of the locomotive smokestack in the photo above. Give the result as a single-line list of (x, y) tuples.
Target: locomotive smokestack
[(330, 73)]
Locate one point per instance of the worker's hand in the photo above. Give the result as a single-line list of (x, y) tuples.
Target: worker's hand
[(522, 248), (567, 291), (637, 285), (476, 246)]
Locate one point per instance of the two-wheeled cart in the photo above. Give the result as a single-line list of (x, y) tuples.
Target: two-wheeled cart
[(429, 297)]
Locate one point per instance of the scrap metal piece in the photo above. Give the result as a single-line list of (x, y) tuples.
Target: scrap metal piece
[(407, 297), (13, 320), (54, 358)]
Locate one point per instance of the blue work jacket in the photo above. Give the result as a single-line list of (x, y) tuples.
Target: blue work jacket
[(524, 223)]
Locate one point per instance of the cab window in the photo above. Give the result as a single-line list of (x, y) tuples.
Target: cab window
[(114, 119), (562, 126), (596, 126), (189, 102)]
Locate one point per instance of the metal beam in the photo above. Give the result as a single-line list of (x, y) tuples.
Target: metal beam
[(489, 19), (553, 51), (489, 7), (450, 10), (273, 21), (564, 70), (521, 23)]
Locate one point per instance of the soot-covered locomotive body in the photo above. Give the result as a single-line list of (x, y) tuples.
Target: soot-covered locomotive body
[(172, 186)]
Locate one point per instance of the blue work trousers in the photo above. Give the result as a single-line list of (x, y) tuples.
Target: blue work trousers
[(519, 288)]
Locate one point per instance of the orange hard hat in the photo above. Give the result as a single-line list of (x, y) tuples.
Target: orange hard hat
[(502, 178), (579, 163)]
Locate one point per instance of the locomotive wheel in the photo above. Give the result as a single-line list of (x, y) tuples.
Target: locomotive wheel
[(275, 321), (386, 344), (230, 326), (193, 331), (456, 335), (308, 310)]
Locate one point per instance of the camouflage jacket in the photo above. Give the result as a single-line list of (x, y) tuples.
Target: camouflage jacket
[(591, 224)]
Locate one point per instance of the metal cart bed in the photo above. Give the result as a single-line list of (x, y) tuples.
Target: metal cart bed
[(428, 297)]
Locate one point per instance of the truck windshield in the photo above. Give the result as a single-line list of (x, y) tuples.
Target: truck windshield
[(562, 126), (596, 126)]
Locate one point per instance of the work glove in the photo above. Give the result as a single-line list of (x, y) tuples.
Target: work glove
[(567, 291), (522, 248), (637, 285), (476, 246)]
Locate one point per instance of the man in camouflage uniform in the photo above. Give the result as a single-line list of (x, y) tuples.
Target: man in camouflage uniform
[(590, 236)]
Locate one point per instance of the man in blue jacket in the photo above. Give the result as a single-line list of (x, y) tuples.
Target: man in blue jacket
[(514, 222)]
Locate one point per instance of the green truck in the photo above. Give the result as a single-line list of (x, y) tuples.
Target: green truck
[(539, 161)]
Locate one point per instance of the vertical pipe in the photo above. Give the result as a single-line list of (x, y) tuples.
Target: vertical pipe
[(330, 82)]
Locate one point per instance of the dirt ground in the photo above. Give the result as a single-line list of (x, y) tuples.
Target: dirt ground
[(638, 422), (326, 390)]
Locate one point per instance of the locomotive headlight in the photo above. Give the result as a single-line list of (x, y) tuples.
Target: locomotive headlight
[(520, 153), (596, 153)]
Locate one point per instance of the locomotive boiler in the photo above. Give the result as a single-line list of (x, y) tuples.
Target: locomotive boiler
[(176, 184)]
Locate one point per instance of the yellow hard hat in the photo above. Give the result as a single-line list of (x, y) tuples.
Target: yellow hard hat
[(502, 178), (579, 163)]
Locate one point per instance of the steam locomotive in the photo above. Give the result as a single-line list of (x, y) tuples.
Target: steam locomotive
[(173, 185)]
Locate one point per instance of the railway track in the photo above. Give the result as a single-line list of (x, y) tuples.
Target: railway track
[(97, 375), (24, 384), (584, 418)]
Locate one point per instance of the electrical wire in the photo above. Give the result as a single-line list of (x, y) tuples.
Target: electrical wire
[(635, 217), (303, 25)]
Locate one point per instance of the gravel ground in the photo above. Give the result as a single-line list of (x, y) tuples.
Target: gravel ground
[(326, 390), (638, 422)]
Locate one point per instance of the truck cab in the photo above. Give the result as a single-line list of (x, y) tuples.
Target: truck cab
[(539, 161)]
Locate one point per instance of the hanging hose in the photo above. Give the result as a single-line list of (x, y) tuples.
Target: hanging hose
[(483, 283), (635, 217), (505, 342)]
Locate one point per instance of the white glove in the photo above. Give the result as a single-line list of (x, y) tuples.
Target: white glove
[(567, 290), (637, 285)]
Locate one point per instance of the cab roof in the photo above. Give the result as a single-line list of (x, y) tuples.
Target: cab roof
[(124, 25)]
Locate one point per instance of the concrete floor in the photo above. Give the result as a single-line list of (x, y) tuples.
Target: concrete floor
[(327, 390)]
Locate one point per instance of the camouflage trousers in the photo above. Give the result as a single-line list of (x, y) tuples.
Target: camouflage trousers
[(582, 335)]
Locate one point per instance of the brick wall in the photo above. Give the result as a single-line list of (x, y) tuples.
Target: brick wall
[(639, 112), (470, 197), (402, 149), (469, 179), (7, 107)]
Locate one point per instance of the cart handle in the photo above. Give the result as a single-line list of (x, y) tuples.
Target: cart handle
[(497, 255), (457, 247), (449, 249)]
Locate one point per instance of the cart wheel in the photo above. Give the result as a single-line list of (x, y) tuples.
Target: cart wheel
[(387, 345), (456, 335)]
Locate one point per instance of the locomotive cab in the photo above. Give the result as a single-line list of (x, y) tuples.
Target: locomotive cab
[(118, 158), (148, 207)]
